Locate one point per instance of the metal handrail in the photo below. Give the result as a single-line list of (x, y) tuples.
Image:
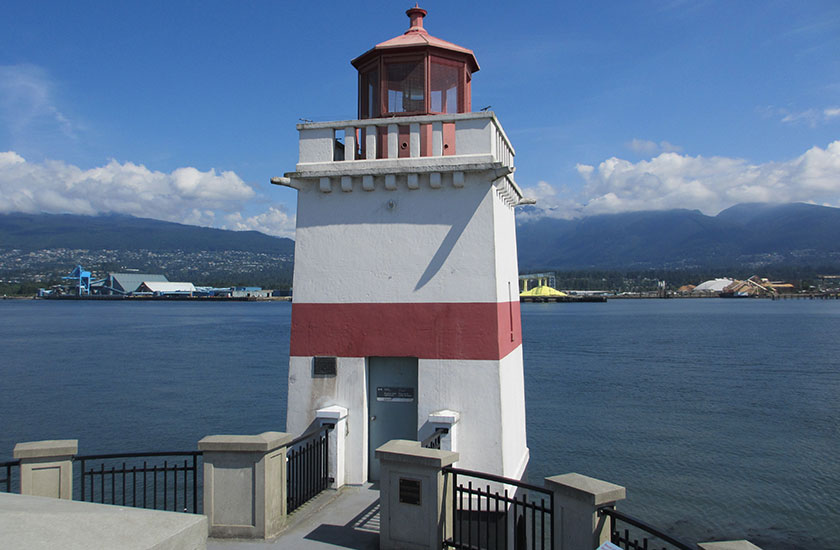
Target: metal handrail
[(467, 525), (124, 471), (7, 467), (427, 443), (136, 455), (615, 514), (307, 466), (499, 479), (310, 434)]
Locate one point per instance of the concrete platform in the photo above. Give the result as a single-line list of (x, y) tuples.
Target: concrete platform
[(347, 518), (33, 523)]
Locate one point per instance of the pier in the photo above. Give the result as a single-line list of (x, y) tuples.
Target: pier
[(562, 299), (293, 496)]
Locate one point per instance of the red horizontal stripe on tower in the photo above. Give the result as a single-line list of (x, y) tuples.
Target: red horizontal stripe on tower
[(427, 331)]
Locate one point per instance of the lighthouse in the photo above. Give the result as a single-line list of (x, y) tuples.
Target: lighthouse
[(405, 315)]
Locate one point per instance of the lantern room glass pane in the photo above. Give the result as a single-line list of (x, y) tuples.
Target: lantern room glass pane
[(444, 86), (406, 87), (369, 102)]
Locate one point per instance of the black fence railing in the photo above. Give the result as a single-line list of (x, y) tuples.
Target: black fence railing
[(8, 483), (159, 481), (433, 441), (307, 468), (638, 535), (507, 514)]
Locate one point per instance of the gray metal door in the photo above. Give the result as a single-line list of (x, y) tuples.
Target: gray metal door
[(392, 404)]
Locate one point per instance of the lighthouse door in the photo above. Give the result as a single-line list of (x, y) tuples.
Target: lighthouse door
[(392, 404)]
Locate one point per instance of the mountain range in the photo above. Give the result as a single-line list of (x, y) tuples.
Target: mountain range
[(121, 232), (745, 235)]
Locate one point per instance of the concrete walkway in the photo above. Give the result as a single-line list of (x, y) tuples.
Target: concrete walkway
[(36, 523), (347, 518)]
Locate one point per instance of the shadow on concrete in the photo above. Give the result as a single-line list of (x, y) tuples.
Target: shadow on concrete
[(360, 533)]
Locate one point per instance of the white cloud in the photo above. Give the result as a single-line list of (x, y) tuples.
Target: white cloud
[(709, 184), (646, 147), (811, 117), (550, 202), (275, 221), (186, 195), (27, 100)]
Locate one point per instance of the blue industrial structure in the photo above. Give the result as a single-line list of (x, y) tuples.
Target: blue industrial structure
[(82, 279)]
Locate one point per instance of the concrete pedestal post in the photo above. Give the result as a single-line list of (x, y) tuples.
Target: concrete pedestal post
[(448, 420), (337, 417), (576, 501), (245, 484), (415, 496), (728, 545), (46, 467)]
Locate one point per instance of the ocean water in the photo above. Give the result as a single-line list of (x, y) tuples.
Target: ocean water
[(720, 417)]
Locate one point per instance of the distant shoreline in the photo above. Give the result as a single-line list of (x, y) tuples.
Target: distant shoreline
[(168, 298), (217, 299)]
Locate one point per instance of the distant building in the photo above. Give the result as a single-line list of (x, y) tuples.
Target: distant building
[(713, 286), (250, 292), (781, 287), (162, 288), (126, 283), (748, 288)]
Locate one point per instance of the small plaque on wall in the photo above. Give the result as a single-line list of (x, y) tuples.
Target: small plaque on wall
[(410, 491), (325, 366), (394, 394)]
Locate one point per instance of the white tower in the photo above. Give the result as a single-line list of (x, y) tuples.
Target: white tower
[(406, 297)]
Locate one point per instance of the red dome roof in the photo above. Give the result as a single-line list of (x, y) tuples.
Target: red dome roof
[(417, 36)]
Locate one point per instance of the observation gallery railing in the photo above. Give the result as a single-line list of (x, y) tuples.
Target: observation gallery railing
[(405, 137)]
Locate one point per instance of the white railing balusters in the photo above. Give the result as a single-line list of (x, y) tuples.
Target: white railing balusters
[(393, 141), (475, 133), (349, 143), (370, 142)]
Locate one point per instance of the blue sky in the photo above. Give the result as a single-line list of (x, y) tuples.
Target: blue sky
[(183, 110)]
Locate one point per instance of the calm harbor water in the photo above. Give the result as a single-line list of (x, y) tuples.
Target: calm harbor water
[(722, 418)]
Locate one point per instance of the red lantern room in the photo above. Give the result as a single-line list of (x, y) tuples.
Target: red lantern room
[(415, 74)]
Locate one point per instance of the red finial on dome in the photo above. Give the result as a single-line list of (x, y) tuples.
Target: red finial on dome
[(416, 15)]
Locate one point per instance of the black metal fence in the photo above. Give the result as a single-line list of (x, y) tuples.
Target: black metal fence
[(508, 514), (8, 483), (307, 467), (638, 535), (159, 481), (174, 481), (433, 441)]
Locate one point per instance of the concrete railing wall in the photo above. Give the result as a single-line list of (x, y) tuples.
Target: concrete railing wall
[(46, 467), (417, 510), (428, 136), (244, 476), (245, 488)]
